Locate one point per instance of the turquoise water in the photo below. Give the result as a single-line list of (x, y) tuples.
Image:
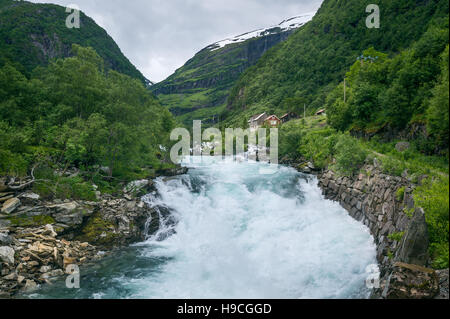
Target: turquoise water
[(234, 233)]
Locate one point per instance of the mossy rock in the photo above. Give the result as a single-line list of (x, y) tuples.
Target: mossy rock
[(98, 232), (31, 221)]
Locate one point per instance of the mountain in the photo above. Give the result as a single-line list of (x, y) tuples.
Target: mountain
[(199, 89), (33, 34), (314, 60)]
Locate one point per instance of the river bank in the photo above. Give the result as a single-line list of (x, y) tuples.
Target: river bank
[(40, 238), (228, 231), (385, 204)]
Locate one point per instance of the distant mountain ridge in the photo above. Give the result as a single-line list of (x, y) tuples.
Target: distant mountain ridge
[(200, 88), (32, 34), (286, 25)]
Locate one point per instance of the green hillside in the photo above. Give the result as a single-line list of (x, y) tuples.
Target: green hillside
[(199, 89), (314, 60), (33, 34)]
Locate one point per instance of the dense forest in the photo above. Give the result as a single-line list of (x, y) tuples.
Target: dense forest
[(33, 34), (75, 114), (315, 59), (409, 89)]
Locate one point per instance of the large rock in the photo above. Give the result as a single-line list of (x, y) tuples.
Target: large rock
[(408, 281), (414, 245), (402, 146), (30, 198), (70, 214), (178, 170), (3, 186), (7, 255), (443, 284), (10, 205), (30, 286), (5, 239), (136, 186)]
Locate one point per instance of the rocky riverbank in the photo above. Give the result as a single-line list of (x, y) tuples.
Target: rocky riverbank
[(386, 206), (40, 238)]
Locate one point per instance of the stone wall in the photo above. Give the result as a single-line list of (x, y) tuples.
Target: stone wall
[(385, 205)]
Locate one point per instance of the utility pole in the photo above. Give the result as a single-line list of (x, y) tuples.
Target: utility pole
[(345, 91)]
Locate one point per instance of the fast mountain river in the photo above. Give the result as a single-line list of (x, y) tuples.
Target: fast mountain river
[(235, 233)]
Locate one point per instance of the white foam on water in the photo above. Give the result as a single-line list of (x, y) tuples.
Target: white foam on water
[(240, 234)]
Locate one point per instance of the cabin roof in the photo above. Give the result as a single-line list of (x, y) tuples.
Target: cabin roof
[(273, 117), (256, 117)]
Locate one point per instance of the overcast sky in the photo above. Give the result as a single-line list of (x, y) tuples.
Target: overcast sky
[(159, 36)]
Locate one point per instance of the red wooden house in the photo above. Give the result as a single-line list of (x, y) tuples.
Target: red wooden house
[(273, 121)]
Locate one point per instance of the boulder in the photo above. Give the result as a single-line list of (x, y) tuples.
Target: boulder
[(3, 186), (415, 242), (173, 171), (7, 255), (5, 239), (30, 286), (136, 186), (443, 284), (30, 198), (407, 281), (49, 231), (402, 146), (70, 214), (45, 269), (10, 205)]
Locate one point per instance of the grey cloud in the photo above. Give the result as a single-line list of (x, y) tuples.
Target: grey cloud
[(159, 36)]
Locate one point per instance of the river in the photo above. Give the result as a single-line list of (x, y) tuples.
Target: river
[(234, 233)]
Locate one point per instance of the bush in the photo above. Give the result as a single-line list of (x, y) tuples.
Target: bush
[(52, 186), (393, 167), (433, 197), (318, 146), (400, 193), (290, 140), (350, 156)]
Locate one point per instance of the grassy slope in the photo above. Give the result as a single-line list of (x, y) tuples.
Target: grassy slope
[(199, 89)]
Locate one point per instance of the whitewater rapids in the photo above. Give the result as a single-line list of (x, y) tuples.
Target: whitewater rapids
[(234, 233)]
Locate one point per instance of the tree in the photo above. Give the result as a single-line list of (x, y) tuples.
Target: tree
[(438, 111)]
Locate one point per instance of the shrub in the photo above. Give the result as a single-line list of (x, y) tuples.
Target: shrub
[(400, 193), (64, 188), (393, 167), (318, 146), (433, 197), (350, 156), (396, 236)]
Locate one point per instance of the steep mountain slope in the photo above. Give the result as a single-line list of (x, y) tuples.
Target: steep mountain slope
[(33, 34), (199, 89), (314, 59)]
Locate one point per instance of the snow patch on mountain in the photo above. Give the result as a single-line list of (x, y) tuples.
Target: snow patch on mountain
[(286, 25)]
